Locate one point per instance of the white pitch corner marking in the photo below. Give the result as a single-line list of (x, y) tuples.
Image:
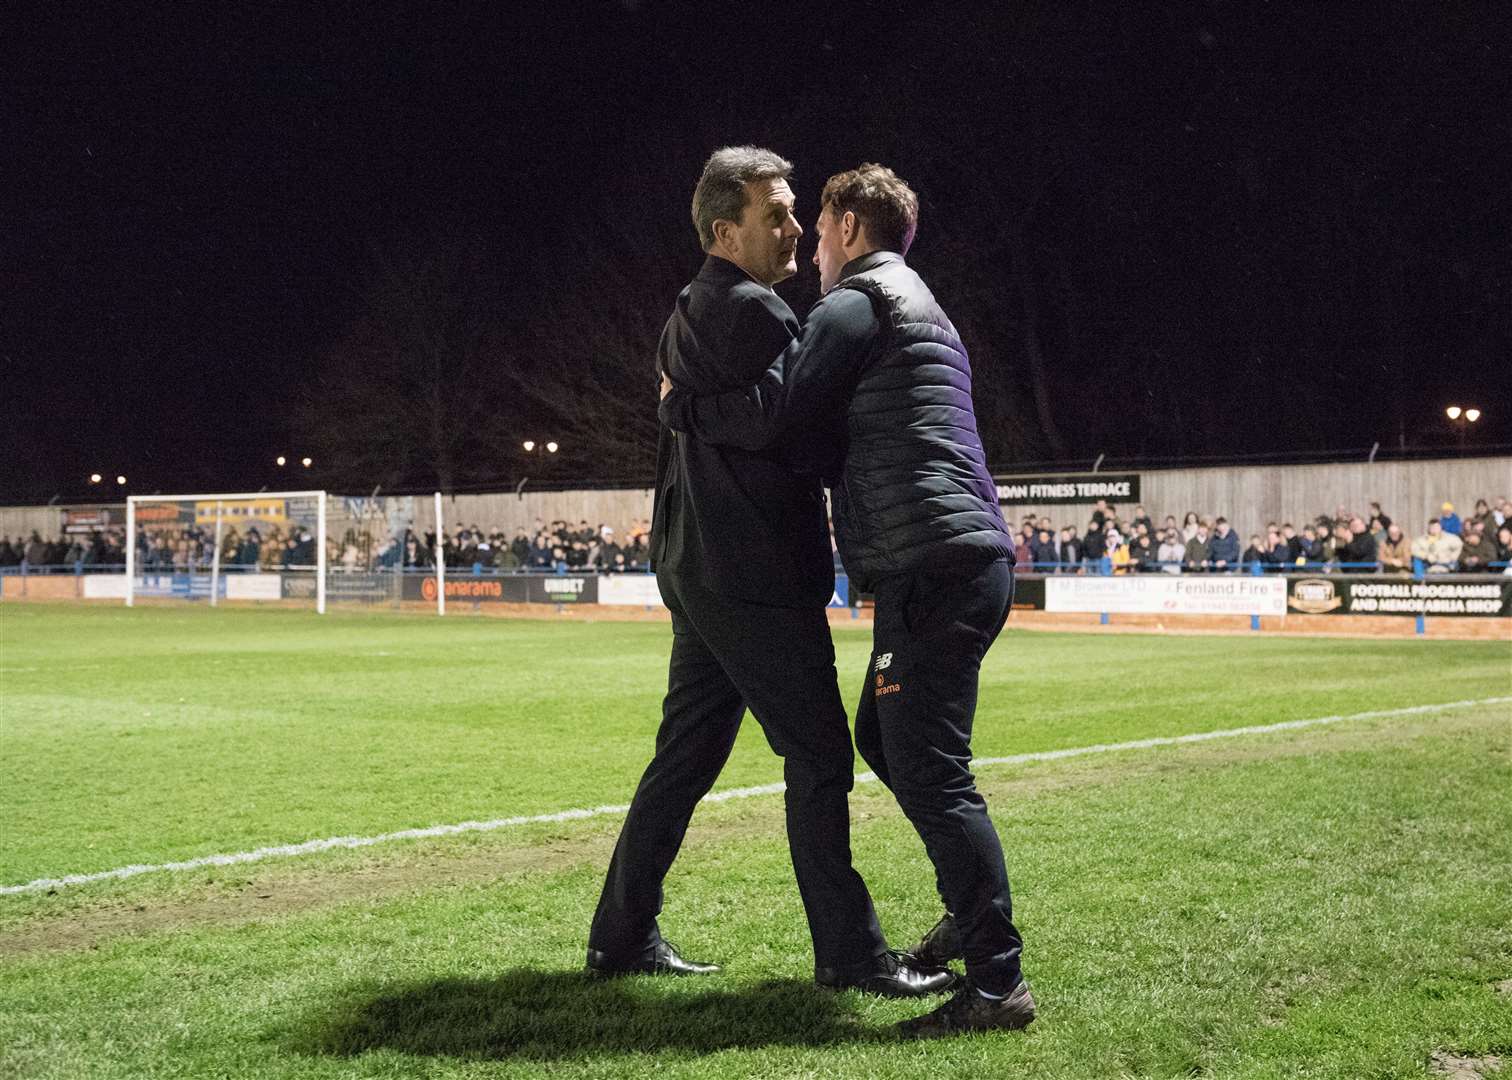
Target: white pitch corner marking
[(311, 847)]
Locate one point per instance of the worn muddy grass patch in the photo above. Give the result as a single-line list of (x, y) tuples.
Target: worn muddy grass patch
[(162, 734), (85, 916), (1336, 911)]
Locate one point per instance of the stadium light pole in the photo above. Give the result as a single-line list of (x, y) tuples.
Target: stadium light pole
[(1460, 420)]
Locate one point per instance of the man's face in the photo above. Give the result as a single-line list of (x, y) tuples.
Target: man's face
[(1433, 528), (829, 256), (764, 243)]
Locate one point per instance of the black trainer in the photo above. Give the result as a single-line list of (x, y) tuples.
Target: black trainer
[(941, 945), (660, 959), (968, 1010), (891, 974)]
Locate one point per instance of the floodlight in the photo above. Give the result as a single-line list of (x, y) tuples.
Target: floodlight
[(529, 445), (551, 448), (282, 460), (95, 478), (1472, 415), (1453, 412), (120, 480), (305, 462)]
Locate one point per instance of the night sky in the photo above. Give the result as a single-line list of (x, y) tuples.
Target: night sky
[(1182, 231)]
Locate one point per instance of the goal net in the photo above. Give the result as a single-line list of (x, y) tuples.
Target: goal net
[(302, 546), (226, 546)]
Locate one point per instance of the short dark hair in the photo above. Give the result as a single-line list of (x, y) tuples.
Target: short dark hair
[(881, 201), (721, 193)]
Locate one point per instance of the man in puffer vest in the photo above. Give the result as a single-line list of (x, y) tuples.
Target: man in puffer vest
[(917, 523)]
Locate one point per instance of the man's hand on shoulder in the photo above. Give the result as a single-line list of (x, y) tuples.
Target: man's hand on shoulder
[(666, 386)]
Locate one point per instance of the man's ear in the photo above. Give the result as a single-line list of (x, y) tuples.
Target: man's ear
[(850, 228), (724, 233)]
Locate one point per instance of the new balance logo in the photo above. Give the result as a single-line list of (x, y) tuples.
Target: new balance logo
[(884, 661)]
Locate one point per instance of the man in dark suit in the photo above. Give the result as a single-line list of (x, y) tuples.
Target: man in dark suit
[(740, 545)]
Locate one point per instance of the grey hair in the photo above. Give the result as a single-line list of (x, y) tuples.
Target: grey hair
[(721, 194)]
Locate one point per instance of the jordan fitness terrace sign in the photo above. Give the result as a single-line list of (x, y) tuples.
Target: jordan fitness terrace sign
[(1067, 490)]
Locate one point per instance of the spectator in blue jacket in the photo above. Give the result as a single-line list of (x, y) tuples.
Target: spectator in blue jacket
[(1042, 551), (1449, 521), (1223, 548)]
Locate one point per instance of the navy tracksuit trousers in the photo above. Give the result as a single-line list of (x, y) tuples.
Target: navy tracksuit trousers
[(913, 727)]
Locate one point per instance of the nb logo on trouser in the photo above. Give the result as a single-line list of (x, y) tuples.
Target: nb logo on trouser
[(884, 661)]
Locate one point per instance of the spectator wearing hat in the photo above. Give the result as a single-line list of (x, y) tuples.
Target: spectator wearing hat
[(1449, 521), (1094, 546)]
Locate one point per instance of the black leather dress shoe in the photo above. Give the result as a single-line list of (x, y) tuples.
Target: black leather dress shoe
[(941, 945), (892, 974), (660, 959)]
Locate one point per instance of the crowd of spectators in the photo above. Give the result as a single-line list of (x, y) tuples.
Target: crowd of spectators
[(554, 547), (102, 547), (558, 546), (1110, 542), (1342, 541)]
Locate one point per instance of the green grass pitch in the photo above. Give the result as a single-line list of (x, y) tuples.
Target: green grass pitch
[(1332, 901)]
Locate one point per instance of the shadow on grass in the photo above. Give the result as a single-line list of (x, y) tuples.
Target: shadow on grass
[(545, 1015)]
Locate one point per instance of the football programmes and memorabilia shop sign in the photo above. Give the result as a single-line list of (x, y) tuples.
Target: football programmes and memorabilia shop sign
[(1380, 595), (1067, 490)]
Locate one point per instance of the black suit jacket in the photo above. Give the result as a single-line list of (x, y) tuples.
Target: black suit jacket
[(742, 524)]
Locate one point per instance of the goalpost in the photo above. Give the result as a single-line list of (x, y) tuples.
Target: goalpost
[(286, 546), (183, 540)]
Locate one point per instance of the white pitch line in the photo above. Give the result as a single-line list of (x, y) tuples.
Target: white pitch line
[(309, 847)]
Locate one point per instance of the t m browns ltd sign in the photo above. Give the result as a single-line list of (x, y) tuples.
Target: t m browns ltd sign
[(1067, 490)]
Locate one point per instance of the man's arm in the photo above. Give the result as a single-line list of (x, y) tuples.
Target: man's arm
[(811, 379)]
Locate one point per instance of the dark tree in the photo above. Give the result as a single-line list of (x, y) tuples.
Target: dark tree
[(409, 395)]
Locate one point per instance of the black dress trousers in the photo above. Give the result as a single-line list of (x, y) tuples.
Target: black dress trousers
[(779, 661)]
